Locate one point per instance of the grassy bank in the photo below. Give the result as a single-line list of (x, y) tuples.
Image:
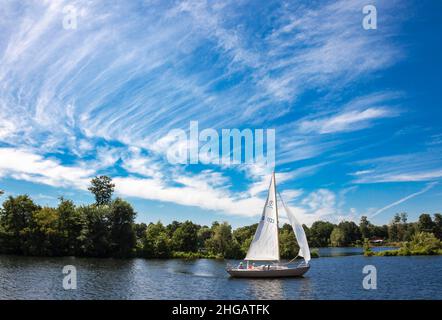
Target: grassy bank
[(201, 255), (422, 243)]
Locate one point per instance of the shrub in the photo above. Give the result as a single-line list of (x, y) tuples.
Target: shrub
[(314, 253)]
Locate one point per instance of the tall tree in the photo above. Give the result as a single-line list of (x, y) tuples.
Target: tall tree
[(204, 233), (395, 230), (15, 217), (351, 232), (244, 237), (102, 188), (222, 242), (288, 247), (337, 237), (70, 225), (320, 233), (365, 227), (379, 231), (403, 227), (425, 224), (404, 217), (95, 236), (42, 236), (185, 237), (140, 229), (122, 233), (171, 227), (438, 225), (156, 242)]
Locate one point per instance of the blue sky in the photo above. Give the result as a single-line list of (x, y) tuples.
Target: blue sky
[(356, 112)]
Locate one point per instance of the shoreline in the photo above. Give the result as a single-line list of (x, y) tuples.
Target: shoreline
[(195, 256)]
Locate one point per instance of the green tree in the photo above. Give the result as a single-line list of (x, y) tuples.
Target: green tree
[(162, 246), (122, 233), (222, 242), (244, 237), (70, 225), (425, 224), (95, 235), (320, 232), (288, 248), (403, 226), (15, 217), (185, 237), (367, 249), (171, 227), (140, 230), (351, 232), (410, 230), (379, 231), (394, 229), (102, 188), (438, 225), (337, 237), (244, 233), (204, 233), (157, 243), (404, 217), (42, 237), (365, 227)]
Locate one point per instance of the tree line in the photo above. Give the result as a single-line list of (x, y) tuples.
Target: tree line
[(107, 228), (348, 233)]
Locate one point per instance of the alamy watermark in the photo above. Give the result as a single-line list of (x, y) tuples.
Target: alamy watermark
[(70, 19), (370, 20), (70, 278), (232, 146), (370, 281)]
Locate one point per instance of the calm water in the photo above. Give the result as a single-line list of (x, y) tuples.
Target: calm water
[(336, 275)]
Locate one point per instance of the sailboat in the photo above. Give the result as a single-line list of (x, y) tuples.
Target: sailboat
[(265, 244)]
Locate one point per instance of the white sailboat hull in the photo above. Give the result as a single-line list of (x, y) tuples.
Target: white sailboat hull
[(268, 273)]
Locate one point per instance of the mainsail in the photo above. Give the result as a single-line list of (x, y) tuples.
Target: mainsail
[(265, 243)]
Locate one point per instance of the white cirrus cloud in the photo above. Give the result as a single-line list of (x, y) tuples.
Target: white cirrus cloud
[(345, 121), (24, 165), (428, 187)]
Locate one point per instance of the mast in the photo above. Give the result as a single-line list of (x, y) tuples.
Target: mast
[(277, 216)]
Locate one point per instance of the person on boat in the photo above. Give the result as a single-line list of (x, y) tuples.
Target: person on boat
[(241, 265)]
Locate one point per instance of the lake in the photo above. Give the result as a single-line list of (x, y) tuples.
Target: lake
[(336, 275)]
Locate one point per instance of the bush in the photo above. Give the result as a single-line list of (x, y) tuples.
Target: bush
[(388, 253), (367, 249), (193, 255), (422, 243), (314, 253)]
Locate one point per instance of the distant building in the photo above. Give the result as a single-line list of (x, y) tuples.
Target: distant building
[(377, 240)]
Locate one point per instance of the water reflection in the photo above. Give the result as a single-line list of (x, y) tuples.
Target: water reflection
[(329, 278), (351, 251), (266, 289)]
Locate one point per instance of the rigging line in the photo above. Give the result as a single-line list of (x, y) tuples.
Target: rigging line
[(282, 200), (286, 263)]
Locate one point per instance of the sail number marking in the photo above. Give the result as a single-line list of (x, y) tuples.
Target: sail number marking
[(268, 219)]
